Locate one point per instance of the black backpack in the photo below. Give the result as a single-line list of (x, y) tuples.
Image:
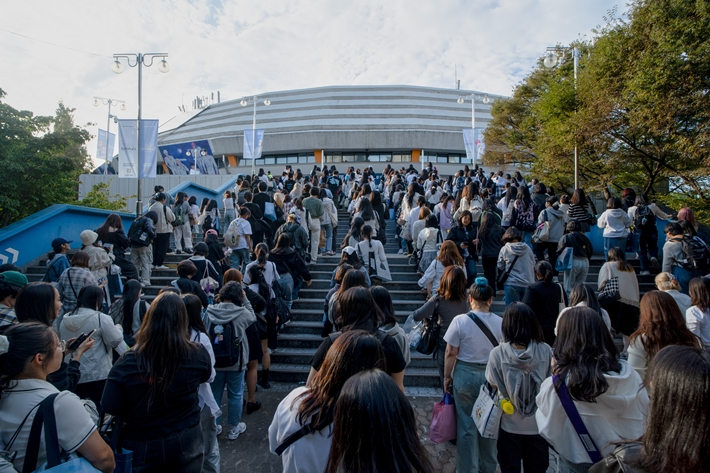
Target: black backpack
[(696, 254), (226, 345), (644, 219)]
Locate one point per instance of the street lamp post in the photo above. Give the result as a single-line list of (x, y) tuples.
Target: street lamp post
[(140, 60), (473, 97), (106, 101), (552, 58), (254, 100)]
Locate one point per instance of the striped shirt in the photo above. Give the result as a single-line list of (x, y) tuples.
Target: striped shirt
[(578, 213)]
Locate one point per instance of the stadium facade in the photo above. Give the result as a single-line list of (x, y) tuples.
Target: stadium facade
[(342, 125)]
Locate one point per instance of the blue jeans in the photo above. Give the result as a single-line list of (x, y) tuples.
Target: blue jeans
[(286, 282), (229, 215), (613, 242), (239, 259), (328, 236), (683, 276), (473, 452), (234, 380), (513, 293), (471, 271), (527, 238)]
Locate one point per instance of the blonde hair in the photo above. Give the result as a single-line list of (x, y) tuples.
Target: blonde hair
[(666, 282), (291, 218), (424, 212)]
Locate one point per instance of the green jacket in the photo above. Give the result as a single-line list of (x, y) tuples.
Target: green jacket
[(314, 206)]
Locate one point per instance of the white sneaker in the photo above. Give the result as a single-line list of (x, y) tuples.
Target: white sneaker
[(645, 273), (236, 430), (219, 429), (162, 267), (401, 251)]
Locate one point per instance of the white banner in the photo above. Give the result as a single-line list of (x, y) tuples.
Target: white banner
[(475, 146), (101, 145), (251, 151), (127, 147)]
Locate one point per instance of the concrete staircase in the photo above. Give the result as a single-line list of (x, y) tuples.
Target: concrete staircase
[(299, 339)]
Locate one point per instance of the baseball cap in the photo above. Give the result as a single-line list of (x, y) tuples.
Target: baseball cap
[(13, 278), (58, 242)]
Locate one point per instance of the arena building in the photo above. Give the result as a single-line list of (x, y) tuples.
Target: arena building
[(342, 125)]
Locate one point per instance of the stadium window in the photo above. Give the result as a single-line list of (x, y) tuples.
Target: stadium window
[(270, 160)]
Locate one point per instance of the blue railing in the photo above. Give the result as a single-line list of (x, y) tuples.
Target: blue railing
[(31, 237)]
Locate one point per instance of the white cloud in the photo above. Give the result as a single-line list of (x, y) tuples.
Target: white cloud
[(243, 47)]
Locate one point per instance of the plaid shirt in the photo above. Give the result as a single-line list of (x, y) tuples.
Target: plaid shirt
[(7, 315), (80, 277)]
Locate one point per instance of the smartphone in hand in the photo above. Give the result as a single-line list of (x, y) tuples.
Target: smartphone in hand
[(80, 339)]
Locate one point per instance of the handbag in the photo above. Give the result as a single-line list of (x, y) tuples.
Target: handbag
[(610, 291), (576, 419), (486, 412), (430, 334), (564, 261), (542, 232), (122, 457), (45, 417), (503, 277), (442, 427), (270, 211), (207, 283)]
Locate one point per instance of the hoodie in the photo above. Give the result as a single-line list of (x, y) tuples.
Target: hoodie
[(619, 413), (615, 223), (518, 374), (55, 267), (523, 273), (557, 223), (242, 317), (97, 362)]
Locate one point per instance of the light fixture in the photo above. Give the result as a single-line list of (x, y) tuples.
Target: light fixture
[(203, 152), (96, 103), (187, 153), (550, 60), (486, 99), (459, 100), (244, 102), (117, 67), (123, 106), (267, 102), (163, 66)]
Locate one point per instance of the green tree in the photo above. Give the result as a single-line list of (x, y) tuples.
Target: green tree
[(41, 163), (99, 198)]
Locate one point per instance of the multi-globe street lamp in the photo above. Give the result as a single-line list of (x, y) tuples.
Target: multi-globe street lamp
[(107, 101), (253, 101), (140, 60)]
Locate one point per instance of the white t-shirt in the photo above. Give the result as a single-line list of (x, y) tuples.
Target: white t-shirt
[(473, 345), (270, 273), (699, 323), (74, 425), (310, 452), (244, 228)]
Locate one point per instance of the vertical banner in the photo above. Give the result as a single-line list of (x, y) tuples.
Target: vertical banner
[(475, 146), (128, 148), (102, 152), (149, 148), (251, 151)]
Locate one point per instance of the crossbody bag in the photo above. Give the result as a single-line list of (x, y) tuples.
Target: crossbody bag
[(576, 420)]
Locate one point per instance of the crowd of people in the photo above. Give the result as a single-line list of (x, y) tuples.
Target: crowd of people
[(159, 369)]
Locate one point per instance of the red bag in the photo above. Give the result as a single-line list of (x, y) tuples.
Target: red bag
[(443, 421)]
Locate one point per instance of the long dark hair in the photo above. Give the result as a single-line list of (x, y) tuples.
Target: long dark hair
[(699, 291), (375, 428), (584, 352), (355, 231), (488, 223), (90, 297), (358, 310), (283, 244), (193, 306), (520, 325), (584, 293), (26, 340), (35, 302), (162, 342), (678, 424), (383, 300), (365, 209), (131, 297), (112, 220), (351, 353)]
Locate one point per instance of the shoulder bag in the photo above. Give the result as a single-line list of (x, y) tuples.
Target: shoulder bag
[(503, 277), (430, 333), (610, 291), (576, 420), (207, 283)]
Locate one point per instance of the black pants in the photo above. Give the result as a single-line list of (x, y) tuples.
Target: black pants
[(489, 271), (160, 248), (532, 450), (551, 247), (92, 390), (127, 268)]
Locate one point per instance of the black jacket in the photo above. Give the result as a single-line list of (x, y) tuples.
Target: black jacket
[(142, 224), (216, 254), (580, 244), (188, 286), (211, 271), (290, 262), (460, 235)]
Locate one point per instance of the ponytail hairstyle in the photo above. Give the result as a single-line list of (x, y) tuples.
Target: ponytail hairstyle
[(543, 271), (262, 253), (23, 342)]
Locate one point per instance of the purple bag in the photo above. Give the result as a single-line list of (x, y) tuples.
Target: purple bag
[(443, 421)]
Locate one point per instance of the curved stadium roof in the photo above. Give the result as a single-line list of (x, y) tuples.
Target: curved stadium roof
[(339, 118)]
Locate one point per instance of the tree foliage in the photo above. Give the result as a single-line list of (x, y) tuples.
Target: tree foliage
[(641, 114), (42, 158), (99, 198)]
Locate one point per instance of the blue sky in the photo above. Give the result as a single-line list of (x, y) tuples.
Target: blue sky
[(243, 47)]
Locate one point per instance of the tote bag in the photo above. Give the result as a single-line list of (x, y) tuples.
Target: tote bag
[(564, 261), (486, 412)]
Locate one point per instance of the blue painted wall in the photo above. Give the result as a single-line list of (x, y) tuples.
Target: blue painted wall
[(31, 237)]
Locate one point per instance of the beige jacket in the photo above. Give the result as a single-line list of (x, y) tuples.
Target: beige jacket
[(165, 216)]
